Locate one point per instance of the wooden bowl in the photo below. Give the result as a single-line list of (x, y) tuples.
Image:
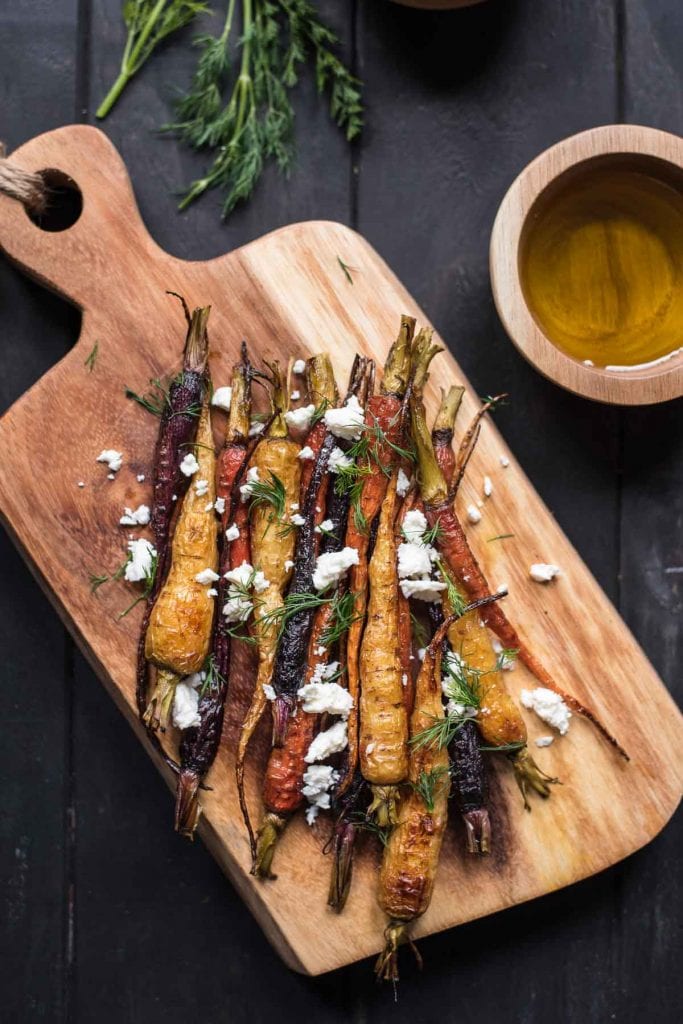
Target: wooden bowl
[(660, 155)]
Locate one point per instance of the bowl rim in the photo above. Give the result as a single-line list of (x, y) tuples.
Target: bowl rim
[(643, 385)]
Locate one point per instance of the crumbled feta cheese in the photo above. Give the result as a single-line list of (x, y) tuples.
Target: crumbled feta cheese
[(246, 490), (306, 453), (320, 651), (488, 487), (112, 458), (186, 707), (209, 507), (295, 396), (338, 461), (502, 588), (174, 497), (423, 590), (588, 362), (542, 572), (222, 397), (549, 706), (294, 506), (289, 564), (212, 592), (300, 419), (473, 514), (256, 427), (141, 559), (331, 741), (81, 483), (421, 653), (504, 461), (299, 367), (189, 465), (238, 607), (269, 692), (402, 484), (346, 422), (318, 780), (325, 527), (312, 813), (139, 517), (332, 565), (325, 698), (509, 661), (195, 680), (414, 560), (414, 525), (323, 673), (544, 741), (219, 505), (297, 520), (111, 476), (207, 576), (232, 532), (140, 477), (404, 681), (202, 488)]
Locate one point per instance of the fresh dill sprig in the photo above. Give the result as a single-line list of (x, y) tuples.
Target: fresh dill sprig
[(506, 748), (501, 536), (213, 679), (433, 535), (346, 269), (148, 584), (153, 400), (244, 119), (456, 600), (148, 23), (268, 492), (461, 682), (319, 411), (91, 359), (344, 614), (428, 785), (96, 581), (360, 821)]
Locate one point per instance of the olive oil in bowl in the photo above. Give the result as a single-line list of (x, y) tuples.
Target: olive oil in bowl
[(601, 261)]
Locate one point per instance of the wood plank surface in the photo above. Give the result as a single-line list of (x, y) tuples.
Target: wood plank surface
[(284, 292), (473, 112)]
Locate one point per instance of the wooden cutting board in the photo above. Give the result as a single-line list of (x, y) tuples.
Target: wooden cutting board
[(287, 294)]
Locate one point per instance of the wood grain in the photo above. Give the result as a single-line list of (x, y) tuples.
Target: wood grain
[(283, 293), (638, 386)]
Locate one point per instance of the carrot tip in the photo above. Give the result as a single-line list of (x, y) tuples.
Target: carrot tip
[(478, 831)]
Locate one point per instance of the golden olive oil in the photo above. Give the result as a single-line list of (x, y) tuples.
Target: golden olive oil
[(601, 263)]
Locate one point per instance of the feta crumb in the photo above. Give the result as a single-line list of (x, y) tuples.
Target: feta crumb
[(370, 747), (141, 559), (111, 476), (549, 706), (502, 588), (289, 564), (232, 532), (295, 395), (256, 427), (504, 461), (299, 367), (338, 461), (414, 525), (320, 651), (209, 507), (174, 497), (488, 487), (414, 560), (189, 465), (196, 679), (297, 520), (312, 813), (186, 706), (212, 592), (246, 490), (238, 607), (81, 483), (269, 692), (325, 698), (294, 506), (421, 653), (346, 422), (402, 484), (542, 572), (140, 478), (306, 453), (473, 514), (207, 576), (219, 505), (201, 487), (509, 661), (139, 517), (404, 682), (318, 780), (112, 458), (222, 397), (588, 362), (332, 565), (331, 741), (300, 419), (423, 590), (544, 741)]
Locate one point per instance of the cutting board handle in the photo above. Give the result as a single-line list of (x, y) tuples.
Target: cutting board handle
[(107, 246)]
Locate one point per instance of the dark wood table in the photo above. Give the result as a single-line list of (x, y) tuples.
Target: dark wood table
[(107, 916)]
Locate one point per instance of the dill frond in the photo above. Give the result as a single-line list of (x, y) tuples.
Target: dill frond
[(269, 492), (91, 359), (428, 785)]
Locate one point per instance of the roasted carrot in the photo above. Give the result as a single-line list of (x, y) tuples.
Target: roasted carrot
[(199, 745), (177, 429), (322, 391), (458, 556), (442, 431), (383, 732), (179, 634), (411, 855), (349, 810), (272, 545), (383, 428)]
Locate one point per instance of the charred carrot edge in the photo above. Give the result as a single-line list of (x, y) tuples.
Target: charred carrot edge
[(456, 551), (469, 442), (272, 547)]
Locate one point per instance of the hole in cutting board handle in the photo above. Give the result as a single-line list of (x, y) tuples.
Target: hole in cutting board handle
[(64, 202)]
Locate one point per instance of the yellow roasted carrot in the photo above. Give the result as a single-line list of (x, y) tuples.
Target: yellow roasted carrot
[(179, 633), (411, 855), (272, 550), (383, 736)]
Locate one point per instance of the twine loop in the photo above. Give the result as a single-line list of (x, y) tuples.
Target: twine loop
[(25, 186)]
